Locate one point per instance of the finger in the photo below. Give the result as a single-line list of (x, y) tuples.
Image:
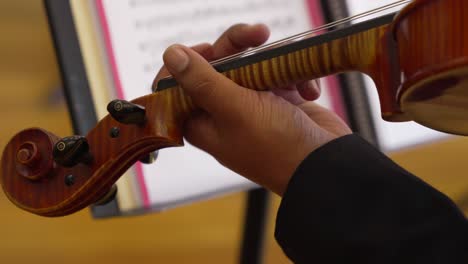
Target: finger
[(291, 87), (209, 89), (325, 118), (240, 37), (204, 49), (309, 90), (289, 95), (200, 131)]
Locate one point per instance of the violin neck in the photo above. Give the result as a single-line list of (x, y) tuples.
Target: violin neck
[(365, 47)]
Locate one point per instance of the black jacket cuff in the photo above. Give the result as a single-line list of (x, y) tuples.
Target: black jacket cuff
[(349, 202)]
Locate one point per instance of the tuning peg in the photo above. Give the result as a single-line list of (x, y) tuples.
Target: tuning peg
[(72, 150), (150, 158), (126, 113), (109, 196)]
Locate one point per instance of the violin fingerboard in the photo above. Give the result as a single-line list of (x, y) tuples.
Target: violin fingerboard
[(371, 52), (356, 52)]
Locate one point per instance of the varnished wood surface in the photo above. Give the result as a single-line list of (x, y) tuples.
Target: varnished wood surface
[(111, 157), (419, 63), (434, 63), (206, 233), (166, 111), (367, 49)]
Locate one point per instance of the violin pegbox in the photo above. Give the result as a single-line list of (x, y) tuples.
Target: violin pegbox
[(52, 176), (40, 171)]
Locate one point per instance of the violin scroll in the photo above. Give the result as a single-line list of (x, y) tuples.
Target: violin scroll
[(52, 176), (33, 179), (30, 152)]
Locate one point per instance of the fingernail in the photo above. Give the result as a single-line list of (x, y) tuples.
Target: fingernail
[(309, 90), (176, 59)]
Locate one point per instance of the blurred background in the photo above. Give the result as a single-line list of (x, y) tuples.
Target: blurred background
[(207, 232)]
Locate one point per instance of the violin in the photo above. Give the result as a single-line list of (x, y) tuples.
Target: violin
[(418, 59)]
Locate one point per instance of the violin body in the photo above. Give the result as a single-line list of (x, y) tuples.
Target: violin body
[(418, 60), (434, 64)]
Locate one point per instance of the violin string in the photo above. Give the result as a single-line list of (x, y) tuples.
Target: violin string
[(315, 30)]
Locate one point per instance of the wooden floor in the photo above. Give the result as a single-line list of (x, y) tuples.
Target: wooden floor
[(207, 232)]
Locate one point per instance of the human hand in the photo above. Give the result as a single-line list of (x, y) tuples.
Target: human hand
[(259, 135), (239, 38)]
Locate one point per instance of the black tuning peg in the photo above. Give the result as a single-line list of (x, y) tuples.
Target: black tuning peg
[(72, 150), (150, 158), (108, 197), (126, 113)]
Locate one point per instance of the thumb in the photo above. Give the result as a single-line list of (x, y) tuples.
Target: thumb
[(210, 90)]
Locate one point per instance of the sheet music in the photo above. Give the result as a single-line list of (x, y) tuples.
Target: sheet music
[(142, 29), (139, 32), (392, 136)]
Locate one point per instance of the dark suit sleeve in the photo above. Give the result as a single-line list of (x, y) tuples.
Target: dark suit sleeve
[(349, 203)]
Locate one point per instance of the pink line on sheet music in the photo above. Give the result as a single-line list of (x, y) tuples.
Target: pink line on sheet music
[(317, 19), (115, 74)]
